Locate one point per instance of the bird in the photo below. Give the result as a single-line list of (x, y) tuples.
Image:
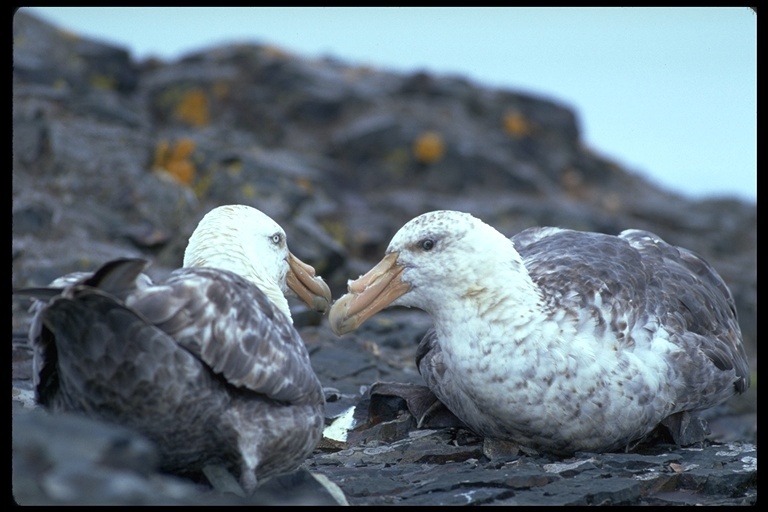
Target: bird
[(206, 363), (559, 340)]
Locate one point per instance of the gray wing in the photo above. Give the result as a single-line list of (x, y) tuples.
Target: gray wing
[(45, 354), (233, 328), (224, 321), (429, 358), (203, 364), (634, 284), (79, 328)]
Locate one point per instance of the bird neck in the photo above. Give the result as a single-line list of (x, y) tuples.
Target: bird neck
[(271, 290), (233, 260), (502, 296)]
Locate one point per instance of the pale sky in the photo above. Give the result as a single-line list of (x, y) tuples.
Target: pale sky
[(670, 93)]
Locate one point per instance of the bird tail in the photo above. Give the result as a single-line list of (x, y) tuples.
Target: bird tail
[(115, 277)]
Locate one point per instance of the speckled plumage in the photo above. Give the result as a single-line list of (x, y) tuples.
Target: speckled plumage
[(562, 340), (204, 363)]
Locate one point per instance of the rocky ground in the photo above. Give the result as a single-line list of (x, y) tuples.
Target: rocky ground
[(373, 454), (113, 157)]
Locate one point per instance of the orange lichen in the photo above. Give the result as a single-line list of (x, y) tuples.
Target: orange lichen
[(337, 229), (69, 36), (176, 159), (571, 179), (234, 167), (221, 90), (516, 125), (193, 108), (352, 74), (104, 82), (276, 52), (428, 147), (248, 190), (612, 203), (203, 184), (305, 184)]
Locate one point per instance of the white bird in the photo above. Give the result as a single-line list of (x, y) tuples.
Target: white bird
[(560, 340), (207, 363)]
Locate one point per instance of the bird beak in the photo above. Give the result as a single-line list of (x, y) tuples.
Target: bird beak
[(368, 295), (308, 287)]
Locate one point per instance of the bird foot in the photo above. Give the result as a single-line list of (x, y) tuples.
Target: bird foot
[(686, 428), (222, 480), (424, 406)]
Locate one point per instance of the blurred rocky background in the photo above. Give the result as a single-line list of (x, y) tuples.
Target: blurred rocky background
[(113, 157)]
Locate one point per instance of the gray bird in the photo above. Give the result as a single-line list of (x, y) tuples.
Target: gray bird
[(206, 364), (560, 340)]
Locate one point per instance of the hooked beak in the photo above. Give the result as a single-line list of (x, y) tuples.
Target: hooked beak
[(369, 294), (309, 288)]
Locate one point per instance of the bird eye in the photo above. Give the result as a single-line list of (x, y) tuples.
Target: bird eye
[(276, 238), (427, 244)]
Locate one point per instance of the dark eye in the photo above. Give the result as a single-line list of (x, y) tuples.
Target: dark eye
[(427, 244)]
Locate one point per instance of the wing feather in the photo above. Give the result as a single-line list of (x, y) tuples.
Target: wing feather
[(234, 329), (643, 284)]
